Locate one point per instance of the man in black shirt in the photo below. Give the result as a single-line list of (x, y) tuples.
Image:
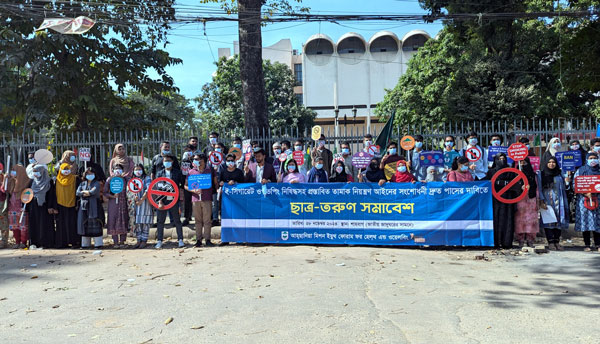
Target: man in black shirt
[(230, 175), (157, 161)]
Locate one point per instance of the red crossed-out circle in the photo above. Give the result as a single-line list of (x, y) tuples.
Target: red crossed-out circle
[(216, 158), (152, 192), (133, 183), (591, 203), (473, 154), (520, 176)]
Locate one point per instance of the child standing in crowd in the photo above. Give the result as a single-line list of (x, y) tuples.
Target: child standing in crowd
[(144, 212), (553, 195), (117, 221), (17, 183), (460, 170), (526, 215), (66, 219), (586, 220), (89, 225)]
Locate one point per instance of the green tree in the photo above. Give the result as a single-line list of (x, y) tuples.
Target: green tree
[(70, 80), (221, 101), (152, 112)]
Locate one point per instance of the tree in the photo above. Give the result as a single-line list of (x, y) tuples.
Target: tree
[(152, 112), (250, 13), (221, 101), (69, 81)]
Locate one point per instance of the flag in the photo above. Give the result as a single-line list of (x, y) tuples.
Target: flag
[(72, 26), (386, 133), (537, 140)]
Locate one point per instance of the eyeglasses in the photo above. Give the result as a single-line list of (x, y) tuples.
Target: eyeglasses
[(230, 161)]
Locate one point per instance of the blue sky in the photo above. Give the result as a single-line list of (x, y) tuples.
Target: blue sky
[(189, 43)]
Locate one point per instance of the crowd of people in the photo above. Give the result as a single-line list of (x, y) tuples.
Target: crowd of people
[(68, 208)]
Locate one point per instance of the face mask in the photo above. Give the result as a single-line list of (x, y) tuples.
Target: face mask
[(90, 177), (373, 165), (13, 173), (319, 166), (321, 143), (298, 148), (345, 151), (596, 148), (473, 141), (368, 143), (118, 172), (392, 151), (165, 152), (449, 144), (66, 172), (418, 144), (168, 164), (339, 169), (218, 150), (401, 168), (212, 140), (496, 143), (229, 163), (575, 147), (32, 161), (237, 145), (593, 162), (278, 151), (256, 149), (72, 158), (556, 145), (464, 168), (138, 172), (37, 174), (292, 168), (196, 163)]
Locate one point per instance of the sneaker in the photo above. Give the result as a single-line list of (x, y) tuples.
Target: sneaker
[(158, 245), (587, 249), (181, 244)]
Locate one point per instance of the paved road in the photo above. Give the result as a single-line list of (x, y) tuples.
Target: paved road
[(298, 294)]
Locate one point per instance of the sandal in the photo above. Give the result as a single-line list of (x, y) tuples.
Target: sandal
[(587, 249)]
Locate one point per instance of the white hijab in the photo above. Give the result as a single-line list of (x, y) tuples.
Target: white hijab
[(551, 144)]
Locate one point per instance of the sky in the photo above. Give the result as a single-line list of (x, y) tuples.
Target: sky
[(199, 52)]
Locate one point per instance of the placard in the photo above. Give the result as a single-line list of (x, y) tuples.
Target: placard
[(84, 154), (569, 160), (199, 181), (117, 184), (299, 157), (361, 160), (587, 184), (449, 157), (432, 158)]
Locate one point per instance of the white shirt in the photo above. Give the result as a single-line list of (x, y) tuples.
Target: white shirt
[(259, 173)]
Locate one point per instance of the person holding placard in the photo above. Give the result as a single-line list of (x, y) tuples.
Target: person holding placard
[(524, 140), (117, 222), (526, 214), (586, 220), (553, 202), (89, 225), (173, 173), (42, 209), (202, 196), (17, 182), (274, 160), (68, 157), (120, 157), (450, 153), (418, 170), (186, 165), (66, 217), (478, 168), (144, 212), (307, 165), (259, 171), (390, 158), (157, 160), (504, 213)]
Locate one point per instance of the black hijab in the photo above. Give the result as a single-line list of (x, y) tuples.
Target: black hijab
[(549, 174), (530, 174), (339, 177), (374, 174)]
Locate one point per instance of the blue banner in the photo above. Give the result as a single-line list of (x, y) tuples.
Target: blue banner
[(435, 213), (199, 181), (569, 160)]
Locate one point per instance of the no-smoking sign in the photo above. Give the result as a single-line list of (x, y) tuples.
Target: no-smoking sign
[(499, 195), (163, 190), (135, 185), (215, 158), (473, 154)]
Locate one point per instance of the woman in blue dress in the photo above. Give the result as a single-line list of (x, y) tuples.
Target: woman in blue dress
[(553, 195), (588, 221)]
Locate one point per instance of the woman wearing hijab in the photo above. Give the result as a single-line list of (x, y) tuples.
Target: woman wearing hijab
[(588, 221), (66, 219), (553, 195), (318, 174), (504, 221), (117, 222), (339, 174), (551, 149), (402, 175), (16, 184), (41, 209), (373, 173), (88, 222), (69, 157), (460, 170), (120, 158), (526, 215)]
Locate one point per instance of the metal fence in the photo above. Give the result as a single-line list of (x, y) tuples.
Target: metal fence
[(147, 143)]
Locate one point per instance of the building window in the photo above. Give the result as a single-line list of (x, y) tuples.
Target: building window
[(298, 73), (299, 98)]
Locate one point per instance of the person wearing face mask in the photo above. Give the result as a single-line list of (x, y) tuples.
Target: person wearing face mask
[(230, 175), (553, 147), (31, 164), (433, 175), (68, 157), (526, 213), (588, 221), (41, 210), (120, 157), (157, 161), (274, 160), (347, 155), (259, 171), (496, 140), (321, 152), (402, 175), (575, 145), (144, 211), (478, 168), (524, 140), (117, 223), (89, 225), (219, 148), (367, 141), (202, 199), (318, 174), (339, 174), (17, 182), (186, 165), (504, 214), (173, 173), (451, 154), (286, 147), (373, 173), (237, 143), (66, 219), (553, 195), (304, 168), (390, 160), (419, 171), (460, 170), (292, 175)]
